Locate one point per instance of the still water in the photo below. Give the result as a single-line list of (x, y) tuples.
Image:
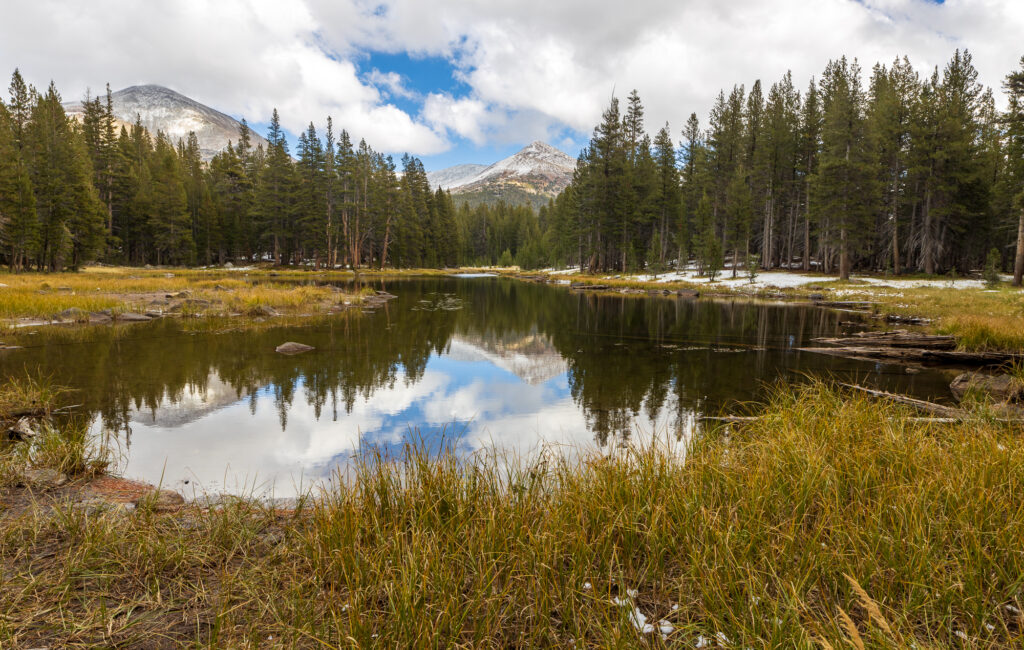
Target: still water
[(476, 362)]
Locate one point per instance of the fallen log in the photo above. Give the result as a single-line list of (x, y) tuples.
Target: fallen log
[(897, 339), (846, 304), (922, 355), (907, 320), (920, 404), (742, 419)]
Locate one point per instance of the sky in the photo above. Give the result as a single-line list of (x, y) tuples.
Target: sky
[(459, 81)]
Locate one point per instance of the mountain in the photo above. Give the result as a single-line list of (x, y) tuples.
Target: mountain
[(162, 109), (535, 174), (532, 358), (451, 177)]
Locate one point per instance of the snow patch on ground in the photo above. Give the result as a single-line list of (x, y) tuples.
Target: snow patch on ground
[(779, 279)]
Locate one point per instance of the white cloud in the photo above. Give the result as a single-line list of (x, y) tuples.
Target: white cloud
[(391, 82), (533, 67)]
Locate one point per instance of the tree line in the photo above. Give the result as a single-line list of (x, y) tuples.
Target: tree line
[(901, 173), (898, 174), (78, 191)]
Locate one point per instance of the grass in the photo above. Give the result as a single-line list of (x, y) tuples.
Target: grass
[(42, 296), (832, 521), (69, 449)]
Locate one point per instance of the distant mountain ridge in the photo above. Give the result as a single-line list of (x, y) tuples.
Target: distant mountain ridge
[(163, 109), (533, 175)]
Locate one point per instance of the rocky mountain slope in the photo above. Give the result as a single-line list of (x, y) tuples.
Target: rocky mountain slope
[(162, 109), (533, 175)]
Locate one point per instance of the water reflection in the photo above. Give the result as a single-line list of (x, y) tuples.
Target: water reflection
[(482, 361)]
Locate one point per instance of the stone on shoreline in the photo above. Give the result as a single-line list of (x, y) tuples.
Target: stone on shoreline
[(44, 478), (1002, 388), (160, 500)]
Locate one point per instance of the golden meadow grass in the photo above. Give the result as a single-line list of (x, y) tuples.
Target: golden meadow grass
[(832, 521), (41, 296)]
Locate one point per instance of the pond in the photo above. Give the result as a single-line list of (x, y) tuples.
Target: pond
[(473, 363)]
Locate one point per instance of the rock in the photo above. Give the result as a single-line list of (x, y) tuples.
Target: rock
[(160, 500), (911, 370), (72, 315), (133, 317), (192, 303), (292, 347), (263, 310), (44, 478), (817, 296), (21, 431), (229, 265), (688, 293), (100, 317), (1000, 388), (181, 294)]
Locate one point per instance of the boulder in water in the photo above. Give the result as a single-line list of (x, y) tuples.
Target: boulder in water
[(292, 347), (133, 317)]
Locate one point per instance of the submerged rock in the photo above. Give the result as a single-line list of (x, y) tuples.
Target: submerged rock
[(1001, 388), (133, 317), (291, 347)]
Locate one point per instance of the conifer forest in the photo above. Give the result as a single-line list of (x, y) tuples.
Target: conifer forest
[(880, 170)]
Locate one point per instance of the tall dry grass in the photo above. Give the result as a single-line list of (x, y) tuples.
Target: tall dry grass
[(832, 521)]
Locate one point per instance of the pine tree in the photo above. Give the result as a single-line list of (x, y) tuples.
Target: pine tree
[(70, 213), (893, 95), (275, 194), (170, 222), (668, 195), (844, 178), (807, 160), (17, 202), (1013, 185)]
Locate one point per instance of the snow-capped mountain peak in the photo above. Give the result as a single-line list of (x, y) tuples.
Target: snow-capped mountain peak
[(163, 109), (537, 170)]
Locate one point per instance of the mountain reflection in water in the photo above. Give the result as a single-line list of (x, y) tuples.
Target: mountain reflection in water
[(500, 364)]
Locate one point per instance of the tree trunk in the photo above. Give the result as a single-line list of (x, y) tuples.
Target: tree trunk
[(1018, 264)]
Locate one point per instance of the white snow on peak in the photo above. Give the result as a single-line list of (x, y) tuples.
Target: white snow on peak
[(537, 159)]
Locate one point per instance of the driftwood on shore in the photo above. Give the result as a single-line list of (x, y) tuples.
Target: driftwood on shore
[(920, 404), (894, 339), (903, 346), (921, 355), (743, 419)]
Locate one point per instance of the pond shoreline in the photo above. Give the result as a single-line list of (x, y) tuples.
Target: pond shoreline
[(981, 319)]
